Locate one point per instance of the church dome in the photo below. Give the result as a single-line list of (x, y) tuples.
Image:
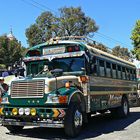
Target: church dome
[(10, 35)]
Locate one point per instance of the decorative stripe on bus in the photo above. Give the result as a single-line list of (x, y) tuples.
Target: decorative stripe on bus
[(113, 88), (110, 92)]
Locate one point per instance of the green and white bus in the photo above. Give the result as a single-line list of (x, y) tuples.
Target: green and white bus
[(66, 81), (138, 80)]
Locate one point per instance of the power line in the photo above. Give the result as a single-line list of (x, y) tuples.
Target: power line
[(44, 6), (111, 39), (32, 4), (41, 7)]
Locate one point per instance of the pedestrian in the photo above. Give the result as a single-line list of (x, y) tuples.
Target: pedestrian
[(1, 86)]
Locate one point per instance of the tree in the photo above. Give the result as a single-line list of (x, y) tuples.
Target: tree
[(136, 39), (34, 35), (100, 46), (10, 51), (72, 21), (121, 52)]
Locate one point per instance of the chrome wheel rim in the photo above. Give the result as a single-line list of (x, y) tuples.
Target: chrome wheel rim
[(125, 107), (78, 119)]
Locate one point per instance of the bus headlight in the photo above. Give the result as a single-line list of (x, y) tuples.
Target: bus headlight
[(27, 111), (52, 99), (5, 100), (14, 111), (57, 99), (1, 111), (33, 111), (21, 111)]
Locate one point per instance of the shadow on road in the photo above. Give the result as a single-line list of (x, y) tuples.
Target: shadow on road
[(98, 125)]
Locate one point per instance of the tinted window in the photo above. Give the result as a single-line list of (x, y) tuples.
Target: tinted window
[(108, 69), (123, 73), (114, 74), (101, 68), (119, 73)]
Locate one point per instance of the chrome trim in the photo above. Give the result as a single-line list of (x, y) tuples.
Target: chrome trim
[(78, 119), (87, 101), (73, 94), (28, 89), (41, 124)]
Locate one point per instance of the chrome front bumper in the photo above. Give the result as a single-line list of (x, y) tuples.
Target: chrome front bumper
[(47, 123)]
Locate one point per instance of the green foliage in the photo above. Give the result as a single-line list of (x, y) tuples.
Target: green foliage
[(2, 66), (10, 51), (121, 52), (136, 39), (100, 46), (33, 34), (71, 21), (74, 22)]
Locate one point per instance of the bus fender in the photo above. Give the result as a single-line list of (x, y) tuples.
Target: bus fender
[(78, 97)]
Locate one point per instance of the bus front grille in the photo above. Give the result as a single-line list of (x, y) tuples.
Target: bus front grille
[(27, 89)]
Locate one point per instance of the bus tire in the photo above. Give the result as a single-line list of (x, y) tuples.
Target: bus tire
[(14, 128), (73, 120), (123, 110)]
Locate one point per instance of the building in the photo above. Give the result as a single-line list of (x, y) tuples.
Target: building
[(10, 35)]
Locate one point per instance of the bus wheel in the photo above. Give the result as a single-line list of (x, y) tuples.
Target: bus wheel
[(73, 120), (14, 128), (123, 110)]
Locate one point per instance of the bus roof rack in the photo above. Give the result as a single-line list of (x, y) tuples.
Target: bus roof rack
[(74, 38)]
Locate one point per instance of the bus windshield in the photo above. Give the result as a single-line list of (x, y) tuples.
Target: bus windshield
[(72, 65)]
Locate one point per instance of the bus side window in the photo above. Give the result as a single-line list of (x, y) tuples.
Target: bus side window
[(119, 72), (101, 68), (114, 71), (94, 66), (123, 73), (108, 69), (133, 74), (87, 65), (127, 74)]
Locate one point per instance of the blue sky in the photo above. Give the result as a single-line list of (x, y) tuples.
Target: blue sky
[(115, 18)]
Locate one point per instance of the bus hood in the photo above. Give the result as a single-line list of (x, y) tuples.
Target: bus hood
[(52, 83), (37, 87)]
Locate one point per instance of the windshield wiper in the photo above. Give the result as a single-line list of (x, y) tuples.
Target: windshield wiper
[(45, 69)]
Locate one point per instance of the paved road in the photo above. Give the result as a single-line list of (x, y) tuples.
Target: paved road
[(101, 127)]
